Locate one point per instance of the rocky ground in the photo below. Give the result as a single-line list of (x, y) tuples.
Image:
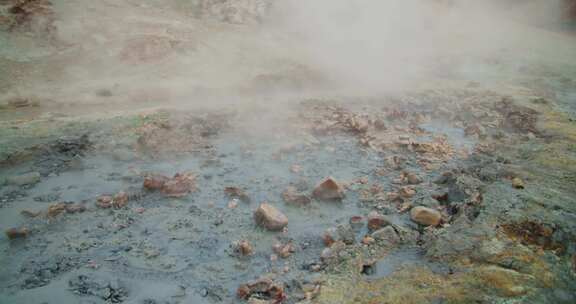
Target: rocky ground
[(460, 189)]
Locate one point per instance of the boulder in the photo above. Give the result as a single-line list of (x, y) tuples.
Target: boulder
[(269, 217), (425, 216)]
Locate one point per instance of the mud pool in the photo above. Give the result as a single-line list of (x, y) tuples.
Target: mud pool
[(184, 244), (296, 152)]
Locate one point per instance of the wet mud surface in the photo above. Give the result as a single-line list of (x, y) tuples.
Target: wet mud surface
[(483, 222)]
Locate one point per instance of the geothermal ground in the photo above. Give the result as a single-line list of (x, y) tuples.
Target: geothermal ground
[(177, 162)]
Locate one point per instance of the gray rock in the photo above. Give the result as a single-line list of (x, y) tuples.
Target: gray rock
[(386, 235)]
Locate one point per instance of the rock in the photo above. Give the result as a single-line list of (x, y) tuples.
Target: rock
[(386, 234), (56, 209), (265, 288), (332, 253), (412, 178), (270, 218), (155, 182), (24, 179), (425, 216), (292, 197), (104, 201), (253, 300), (180, 185), (377, 220), (517, 183), (406, 192), (345, 234), (17, 233), (395, 162), (233, 204), (120, 200), (75, 208), (111, 291), (368, 240), (329, 236), (19, 102), (235, 192), (284, 250), (328, 189), (31, 214), (356, 222), (243, 248)]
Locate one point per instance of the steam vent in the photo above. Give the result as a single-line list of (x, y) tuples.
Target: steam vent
[(287, 151)]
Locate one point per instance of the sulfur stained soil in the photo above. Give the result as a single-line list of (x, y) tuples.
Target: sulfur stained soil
[(493, 150)]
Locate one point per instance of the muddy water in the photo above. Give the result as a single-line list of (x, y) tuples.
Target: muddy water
[(179, 250)]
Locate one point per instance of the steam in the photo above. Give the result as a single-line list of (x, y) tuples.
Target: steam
[(375, 46), (360, 47)]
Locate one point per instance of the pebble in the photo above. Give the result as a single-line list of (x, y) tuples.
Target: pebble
[(517, 183)]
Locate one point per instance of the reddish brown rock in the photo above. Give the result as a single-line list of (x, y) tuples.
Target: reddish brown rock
[(292, 197), (425, 216), (235, 192), (377, 221), (328, 189), (56, 209), (75, 208), (356, 222), (270, 218), (407, 192), (155, 182), (120, 200), (180, 185), (104, 201), (284, 250), (17, 233), (266, 288), (329, 237), (243, 248)]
